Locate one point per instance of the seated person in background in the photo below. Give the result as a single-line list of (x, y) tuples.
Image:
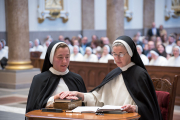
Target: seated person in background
[(30, 46), (178, 42), (137, 41), (3, 52), (76, 56), (54, 79), (37, 46), (171, 43), (129, 85), (105, 55), (161, 50), (4, 45), (156, 59), (175, 60), (68, 42), (43, 55), (89, 57), (144, 59)]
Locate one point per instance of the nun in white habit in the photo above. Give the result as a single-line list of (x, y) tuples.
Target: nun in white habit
[(89, 57), (37, 46), (128, 85), (76, 56), (143, 57), (175, 60), (157, 60), (106, 56)]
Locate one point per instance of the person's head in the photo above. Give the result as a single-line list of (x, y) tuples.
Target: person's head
[(3, 42), (61, 38), (139, 49), (161, 27), (106, 49), (161, 48), (84, 40), (120, 54), (30, 44), (88, 51), (138, 34), (151, 45), (136, 38), (61, 57), (154, 54), (124, 51), (171, 39), (145, 40), (67, 41), (76, 42), (48, 37), (94, 38), (158, 43), (178, 42), (158, 39), (105, 40), (153, 25), (153, 38), (176, 51), (47, 43), (36, 42), (75, 49)]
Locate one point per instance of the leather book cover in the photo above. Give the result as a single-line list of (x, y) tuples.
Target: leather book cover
[(67, 105)]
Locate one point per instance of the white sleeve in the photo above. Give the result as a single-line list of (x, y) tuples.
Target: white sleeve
[(136, 108), (91, 100), (50, 102)]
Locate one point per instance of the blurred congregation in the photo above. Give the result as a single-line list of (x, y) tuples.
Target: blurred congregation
[(157, 47)]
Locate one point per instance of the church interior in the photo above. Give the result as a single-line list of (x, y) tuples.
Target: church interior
[(89, 28)]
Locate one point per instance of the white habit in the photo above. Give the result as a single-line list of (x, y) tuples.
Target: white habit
[(112, 93), (77, 57), (91, 58), (105, 59), (144, 59), (160, 61), (37, 48), (174, 61)]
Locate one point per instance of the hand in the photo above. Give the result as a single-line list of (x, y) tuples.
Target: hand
[(69, 95), (129, 108)]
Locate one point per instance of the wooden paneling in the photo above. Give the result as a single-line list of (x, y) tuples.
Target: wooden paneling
[(94, 73)]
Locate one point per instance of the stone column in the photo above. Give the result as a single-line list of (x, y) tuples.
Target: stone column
[(115, 19), (87, 7), (148, 14), (18, 34), (18, 73)]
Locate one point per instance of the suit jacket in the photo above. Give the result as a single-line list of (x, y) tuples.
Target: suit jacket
[(150, 33)]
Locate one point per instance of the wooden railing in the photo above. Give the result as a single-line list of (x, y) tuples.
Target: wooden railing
[(94, 73)]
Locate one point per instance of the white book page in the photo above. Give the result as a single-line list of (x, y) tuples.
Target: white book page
[(85, 109), (112, 107)]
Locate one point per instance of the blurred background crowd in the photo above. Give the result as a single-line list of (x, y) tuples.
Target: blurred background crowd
[(157, 47)]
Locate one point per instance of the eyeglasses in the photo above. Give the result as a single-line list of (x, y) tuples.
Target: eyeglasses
[(120, 54)]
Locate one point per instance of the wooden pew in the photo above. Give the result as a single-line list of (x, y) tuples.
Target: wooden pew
[(94, 73)]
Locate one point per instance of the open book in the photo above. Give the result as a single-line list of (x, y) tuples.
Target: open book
[(92, 109)]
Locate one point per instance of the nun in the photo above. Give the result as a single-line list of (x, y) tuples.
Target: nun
[(144, 59), (128, 85), (37, 46), (106, 56), (76, 56), (175, 60), (89, 57), (54, 79), (157, 60)]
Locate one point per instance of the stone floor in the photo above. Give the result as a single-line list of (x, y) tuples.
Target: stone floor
[(13, 104)]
